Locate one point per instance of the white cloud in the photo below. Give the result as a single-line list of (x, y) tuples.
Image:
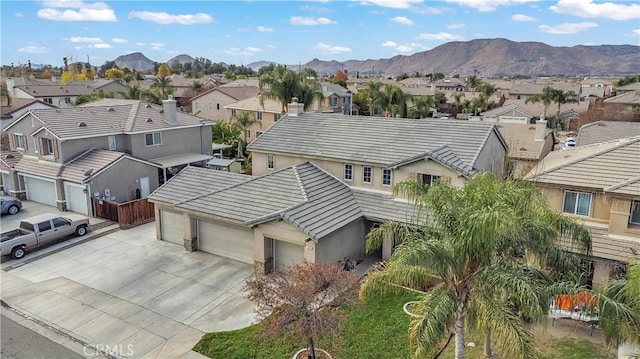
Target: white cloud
[(488, 5), (442, 36), (34, 49), (156, 45), (403, 48), (265, 29), (455, 26), (75, 10), (103, 45), (389, 44), (394, 4), (310, 21), (329, 49), (18, 15), (247, 51), (92, 40), (119, 41), (141, 44), (402, 20), (166, 18), (637, 32), (272, 46), (523, 18), (606, 10), (567, 28), (318, 9)]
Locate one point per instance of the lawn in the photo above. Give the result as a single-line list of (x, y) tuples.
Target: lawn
[(375, 330)]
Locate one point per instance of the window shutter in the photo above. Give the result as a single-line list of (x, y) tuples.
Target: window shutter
[(41, 146), (26, 144), (55, 149), (13, 141)]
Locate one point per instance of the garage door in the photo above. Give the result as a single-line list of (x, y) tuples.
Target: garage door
[(76, 198), (172, 227), (41, 191), (6, 183), (286, 254), (226, 240)]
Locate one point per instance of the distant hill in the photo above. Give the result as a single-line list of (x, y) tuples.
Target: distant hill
[(255, 66), (182, 59), (134, 61), (496, 57)]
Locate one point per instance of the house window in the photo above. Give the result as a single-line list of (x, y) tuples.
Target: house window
[(276, 117), (217, 106), (112, 142), (258, 134), (259, 116), (348, 172), (67, 100), (333, 101), (386, 177), (19, 140), (196, 105), (48, 100), (233, 112), (247, 133), (428, 180), (153, 139), (634, 216), (47, 146), (576, 203), (366, 174), (271, 161)]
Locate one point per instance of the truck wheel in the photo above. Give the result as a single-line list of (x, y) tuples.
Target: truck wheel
[(13, 209), (18, 252), (81, 231)]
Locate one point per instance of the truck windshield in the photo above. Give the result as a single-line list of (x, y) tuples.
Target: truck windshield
[(26, 226)]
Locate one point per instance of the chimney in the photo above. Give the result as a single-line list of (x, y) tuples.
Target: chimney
[(295, 108), (169, 111), (541, 129)]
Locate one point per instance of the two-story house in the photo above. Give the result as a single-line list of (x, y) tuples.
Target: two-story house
[(18, 107), (335, 98), (321, 182), (528, 145), (113, 149), (267, 112), (599, 185), (211, 103)]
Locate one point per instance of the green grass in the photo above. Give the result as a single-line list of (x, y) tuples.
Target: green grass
[(374, 330)]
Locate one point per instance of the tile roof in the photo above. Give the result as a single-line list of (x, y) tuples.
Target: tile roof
[(604, 131), (253, 104), (56, 90), (9, 159), (634, 86), (521, 140), (605, 245), (329, 89), (381, 207), (110, 116), (608, 166), (533, 89), (18, 104), (536, 108), (75, 170), (236, 92), (627, 98), (378, 140)]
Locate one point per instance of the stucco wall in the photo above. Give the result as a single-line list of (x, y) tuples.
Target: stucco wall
[(600, 205), (429, 167), (492, 156), (208, 106), (25, 127), (121, 179), (345, 242), (71, 149), (174, 142)]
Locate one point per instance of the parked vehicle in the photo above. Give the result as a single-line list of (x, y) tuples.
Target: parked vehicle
[(39, 231), (10, 205)]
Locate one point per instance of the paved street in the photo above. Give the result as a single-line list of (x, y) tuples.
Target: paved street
[(18, 342), (128, 288)]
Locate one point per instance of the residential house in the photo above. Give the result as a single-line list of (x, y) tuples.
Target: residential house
[(63, 96), (183, 86), (598, 185), (628, 100), (528, 145), (633, 87), (285, 217), (104, 87), (18, 107), (112, 148), (449, 84), (601, 88), (335, 99), (604, 131), (519, 111), (211, 103), (267, 112), (8, 159), (523, 91)]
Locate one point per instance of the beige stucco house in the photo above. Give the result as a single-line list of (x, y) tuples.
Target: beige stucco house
[(528, 144), (211, 103), (266, 111), (599, 185)]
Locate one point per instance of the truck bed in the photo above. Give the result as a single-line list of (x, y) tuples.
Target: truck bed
[(5, 236)]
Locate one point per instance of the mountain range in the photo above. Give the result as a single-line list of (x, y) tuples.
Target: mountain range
[(481, 57)]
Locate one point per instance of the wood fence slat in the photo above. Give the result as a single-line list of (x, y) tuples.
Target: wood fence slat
[(128, 214)]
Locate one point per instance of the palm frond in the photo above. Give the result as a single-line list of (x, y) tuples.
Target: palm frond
[(429, 332)]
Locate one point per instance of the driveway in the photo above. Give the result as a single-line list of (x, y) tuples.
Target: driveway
[(30, 209), (131, 293)]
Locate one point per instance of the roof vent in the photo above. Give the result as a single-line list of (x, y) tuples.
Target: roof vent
[(34, 91), (82, 124), (161, 111), (60, 87), (66, 90), (149, 120), (147, 105), (111, 109), (8, 157)]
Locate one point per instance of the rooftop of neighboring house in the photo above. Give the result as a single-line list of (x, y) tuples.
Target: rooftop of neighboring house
[(635, 86), (522, 141), (18, 104), (536, 108), (8, 159), (534, 89), (378, 140), (449, 82), (253, 104), (242, 82), (596, 81), (329, 89), (631, 97), (236, 92), (56, 90), (604, 131), (611, 167), (110, 116), (96, 84)]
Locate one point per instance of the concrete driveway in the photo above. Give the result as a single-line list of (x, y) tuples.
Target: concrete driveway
[(30, 209), (133, 294)]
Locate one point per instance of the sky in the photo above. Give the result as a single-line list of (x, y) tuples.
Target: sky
[(294, 32)]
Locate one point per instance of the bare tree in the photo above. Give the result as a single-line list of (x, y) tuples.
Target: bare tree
[(295, 299)]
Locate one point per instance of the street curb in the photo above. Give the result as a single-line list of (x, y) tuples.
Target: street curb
[(57, 330), (67, 244)]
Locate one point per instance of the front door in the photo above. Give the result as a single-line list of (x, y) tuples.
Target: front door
[(145, 190)]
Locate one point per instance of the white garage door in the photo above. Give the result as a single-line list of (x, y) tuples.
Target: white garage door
[(226, 240), (172, 227), (40, 191), (6, 183), (286, 254), (76, 198)]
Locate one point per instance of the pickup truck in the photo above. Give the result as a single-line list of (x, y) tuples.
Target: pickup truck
[(39, 231)]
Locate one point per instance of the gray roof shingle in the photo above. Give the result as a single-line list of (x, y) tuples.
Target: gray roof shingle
[(377, 140), (603, 131)]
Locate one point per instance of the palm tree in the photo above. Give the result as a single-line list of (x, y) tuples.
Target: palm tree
[(457, 98), (225, 133), (546, 97), (394, 101), (5, 94), (375, 96), (473, 81), (456, 252), (422, 106), (162, 87), (283, 85), (561, 97), (197, 86), (243, 120), (134, 92)]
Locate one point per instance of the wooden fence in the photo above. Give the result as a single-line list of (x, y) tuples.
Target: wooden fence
[(127, 215)]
